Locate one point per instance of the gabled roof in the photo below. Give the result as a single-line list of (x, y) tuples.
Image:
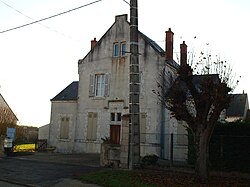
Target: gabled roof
[(197, 79), (152, 43), (149, 41), (237, 105), (68, 94), (5, 104)]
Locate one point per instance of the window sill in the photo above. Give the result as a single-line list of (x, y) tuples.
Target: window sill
[(99, 98), (64, 140)]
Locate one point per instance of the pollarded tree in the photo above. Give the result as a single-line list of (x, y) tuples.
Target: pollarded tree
[(198, 99), (7, 119)]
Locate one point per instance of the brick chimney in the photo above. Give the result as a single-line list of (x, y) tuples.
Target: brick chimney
[(93, 43), (169, 45), (183, 47)]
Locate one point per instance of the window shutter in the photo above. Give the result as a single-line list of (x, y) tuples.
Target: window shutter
[(106, 94), (92, 126), (89, 128), (91, 85), (64, 128), (143, 122)]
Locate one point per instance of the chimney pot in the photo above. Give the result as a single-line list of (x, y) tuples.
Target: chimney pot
[(169, 45), (93, 43)]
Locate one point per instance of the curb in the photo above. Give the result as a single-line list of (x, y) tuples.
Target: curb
[(18, 183)]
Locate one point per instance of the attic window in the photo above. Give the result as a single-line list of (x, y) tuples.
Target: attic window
[(123, 49), (116, 50)]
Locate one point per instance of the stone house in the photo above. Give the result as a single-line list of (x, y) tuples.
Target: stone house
[(7, 115), (238, 108), (96, 106)]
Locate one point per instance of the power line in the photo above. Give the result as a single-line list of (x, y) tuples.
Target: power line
[(48, 17), (47, 27), (15, 9), (126, 2)]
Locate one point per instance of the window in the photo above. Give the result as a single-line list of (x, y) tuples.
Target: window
[(116, 50), (99, 85), (115, 127), (119, 49), (115, 117), (123, 49), (92, 126), (64, 128), (112, 117), (119, 116)]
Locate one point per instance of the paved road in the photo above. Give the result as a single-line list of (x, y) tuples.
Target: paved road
[(46, 169)]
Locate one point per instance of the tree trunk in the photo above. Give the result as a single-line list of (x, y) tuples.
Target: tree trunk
[(202, 155)]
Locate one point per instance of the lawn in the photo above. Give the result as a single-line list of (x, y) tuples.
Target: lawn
[(115, 178), (156, 178)]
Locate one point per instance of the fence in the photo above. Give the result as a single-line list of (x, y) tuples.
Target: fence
[(226, 152), (167, 146), (230, 153)]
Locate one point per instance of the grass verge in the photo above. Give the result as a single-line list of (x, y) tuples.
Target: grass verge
[(115, 178), (159, 178)]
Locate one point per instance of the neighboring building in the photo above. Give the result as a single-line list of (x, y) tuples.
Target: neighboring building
[(237, 110), (43, 132), (7, 115), (96, 107)]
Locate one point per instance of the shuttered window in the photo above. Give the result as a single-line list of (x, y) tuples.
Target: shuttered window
[(143, 123), (92, 126), (64, 128), (99, 85)]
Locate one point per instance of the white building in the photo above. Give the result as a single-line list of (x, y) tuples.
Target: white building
[(94, 107)]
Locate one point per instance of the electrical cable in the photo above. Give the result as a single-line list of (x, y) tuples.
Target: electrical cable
[(126, 2), (47, 27), (59, 14)]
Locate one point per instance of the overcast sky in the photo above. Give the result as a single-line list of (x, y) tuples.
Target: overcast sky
[(38, 61)]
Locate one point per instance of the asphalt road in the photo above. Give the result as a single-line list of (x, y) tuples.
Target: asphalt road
[(45, 171)]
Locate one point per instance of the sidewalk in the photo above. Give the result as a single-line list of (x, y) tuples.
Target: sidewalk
[(85, 159)]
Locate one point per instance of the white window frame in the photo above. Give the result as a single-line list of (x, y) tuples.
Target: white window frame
[(116, 121), (123, 49), (99, 85), (116, 49)]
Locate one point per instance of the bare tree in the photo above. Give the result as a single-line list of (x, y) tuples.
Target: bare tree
[(7, 119), (197, 96)]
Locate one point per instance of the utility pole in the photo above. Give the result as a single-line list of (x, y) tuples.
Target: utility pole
[(134, 89)]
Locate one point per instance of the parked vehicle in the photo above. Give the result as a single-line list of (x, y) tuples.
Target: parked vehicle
[(9, 140)]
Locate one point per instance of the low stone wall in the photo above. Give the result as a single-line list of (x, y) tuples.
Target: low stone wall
[(110, 155)]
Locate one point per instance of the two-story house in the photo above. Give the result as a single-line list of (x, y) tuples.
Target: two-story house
[(93, 107)]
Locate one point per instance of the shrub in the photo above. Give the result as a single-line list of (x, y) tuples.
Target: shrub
[(150, 159)]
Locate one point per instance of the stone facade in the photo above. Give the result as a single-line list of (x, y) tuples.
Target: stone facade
[(64, 110), (103, 96)]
